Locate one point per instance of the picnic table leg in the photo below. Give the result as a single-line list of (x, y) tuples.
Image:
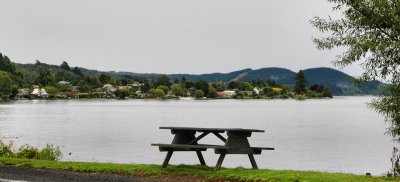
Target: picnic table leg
[(220, 160), (167, 158), (253, 161), (201, 158)]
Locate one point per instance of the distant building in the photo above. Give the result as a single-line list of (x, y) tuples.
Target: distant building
[(135, 84), (227, 93), (39, 92), (124, 87), (109, 88), (63, 82), (61, 95), (186, 98), (220, 93), (277, 89), (74, 92), (23, 91), (256, 90)]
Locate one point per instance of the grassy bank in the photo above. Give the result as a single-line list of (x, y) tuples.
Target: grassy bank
[(206, 172)]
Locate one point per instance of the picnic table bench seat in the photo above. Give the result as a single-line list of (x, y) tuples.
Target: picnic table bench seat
[(183, 147), (253, 150), (201, 147), (258, 150)]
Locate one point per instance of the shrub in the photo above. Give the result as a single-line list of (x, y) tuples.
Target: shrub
[(6, 150), (301, 97), (28, 152), (199, 94), (164, 88), (157, 93), (50, 153), (122, 93), (285, 96), (178, 90)]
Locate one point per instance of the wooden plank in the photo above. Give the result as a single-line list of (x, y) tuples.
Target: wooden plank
[(167, 158), (258, 150), (253, 150), (198, 138), (201, 158), (220, 136), (219, 130), (253, 161), (199, 146), (220, 160), (167, 149), (263, 148), (235, 151)]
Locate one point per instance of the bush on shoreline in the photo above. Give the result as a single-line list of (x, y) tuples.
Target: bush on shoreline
[(50, 152)]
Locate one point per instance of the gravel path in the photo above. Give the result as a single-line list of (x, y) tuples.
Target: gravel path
[(22, 174)]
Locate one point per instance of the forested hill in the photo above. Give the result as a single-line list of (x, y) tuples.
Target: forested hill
[(339, 82)]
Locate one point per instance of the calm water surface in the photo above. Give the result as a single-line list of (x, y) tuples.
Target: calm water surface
[(336, 135)]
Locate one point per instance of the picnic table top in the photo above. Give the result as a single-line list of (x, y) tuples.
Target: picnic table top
[(220, 130)]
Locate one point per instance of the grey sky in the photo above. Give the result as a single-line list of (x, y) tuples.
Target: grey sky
[(165, 36)]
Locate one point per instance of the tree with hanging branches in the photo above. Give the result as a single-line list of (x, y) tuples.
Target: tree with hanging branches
[(369, 30)]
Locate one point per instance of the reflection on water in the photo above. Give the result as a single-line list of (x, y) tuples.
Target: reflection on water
[(337, 135)]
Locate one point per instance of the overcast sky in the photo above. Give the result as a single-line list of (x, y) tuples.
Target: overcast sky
[(165, 36)]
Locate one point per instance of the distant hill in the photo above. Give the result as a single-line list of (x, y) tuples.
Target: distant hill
[(339, 82), (279, 75), (31, 72), (213, 77)]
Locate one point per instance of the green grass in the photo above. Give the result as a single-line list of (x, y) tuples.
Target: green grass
[(201, 171)]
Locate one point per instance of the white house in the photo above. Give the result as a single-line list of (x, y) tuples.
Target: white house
[(63, 82), (109, 88), (124, 87), (256, 90), (23, 91), (39, 92), (229, 93), (135, 84)]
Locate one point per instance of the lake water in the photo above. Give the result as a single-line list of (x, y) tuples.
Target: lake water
[(335, 135)]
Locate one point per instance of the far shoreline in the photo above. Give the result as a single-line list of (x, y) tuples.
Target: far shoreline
[(191, 99)]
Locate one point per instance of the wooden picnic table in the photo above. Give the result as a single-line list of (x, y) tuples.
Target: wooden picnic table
[(236, 143)]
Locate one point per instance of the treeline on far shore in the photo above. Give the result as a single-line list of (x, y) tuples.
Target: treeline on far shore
[(63, 82)]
